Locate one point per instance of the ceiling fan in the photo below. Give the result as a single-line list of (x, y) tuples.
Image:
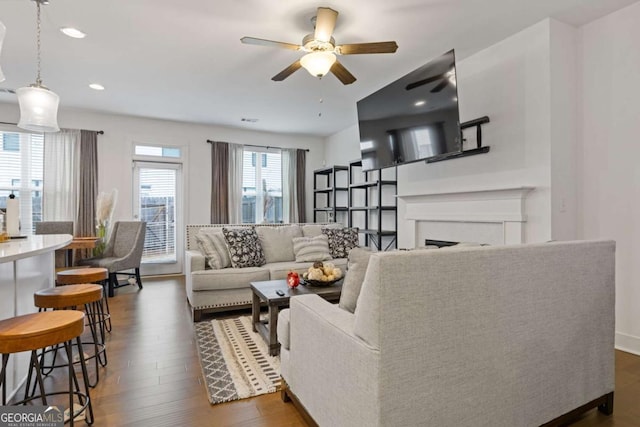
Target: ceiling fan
[(321, 49)]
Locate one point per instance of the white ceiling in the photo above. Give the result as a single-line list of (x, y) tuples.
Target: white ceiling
[(183, 60)]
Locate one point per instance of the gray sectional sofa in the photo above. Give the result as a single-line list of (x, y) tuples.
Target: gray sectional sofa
[(210, 290), (477, 336)]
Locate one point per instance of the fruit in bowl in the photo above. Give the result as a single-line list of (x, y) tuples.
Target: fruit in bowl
[(322, 273), (293, 279)]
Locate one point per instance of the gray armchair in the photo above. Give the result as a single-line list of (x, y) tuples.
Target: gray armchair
[(63, 256), (123, 252)]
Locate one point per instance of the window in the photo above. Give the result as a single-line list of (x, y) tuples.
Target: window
[(158, 151), (21, 160), (262, 187), (263, 157), (10, 142)]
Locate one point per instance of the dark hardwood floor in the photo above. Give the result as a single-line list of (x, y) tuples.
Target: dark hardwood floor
[(153, 377)]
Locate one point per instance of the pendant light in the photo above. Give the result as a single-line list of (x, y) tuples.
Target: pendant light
[(38, 105)]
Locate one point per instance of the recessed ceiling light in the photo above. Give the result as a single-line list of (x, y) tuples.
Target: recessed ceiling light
[(249, 120), (73, 32), (420, 103), (96, 86)]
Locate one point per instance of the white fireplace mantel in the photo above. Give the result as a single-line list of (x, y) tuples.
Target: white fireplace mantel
[(495, 214)]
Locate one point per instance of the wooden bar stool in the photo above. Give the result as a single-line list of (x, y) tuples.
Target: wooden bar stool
[(69, 297), (78, 276), (33, 332)]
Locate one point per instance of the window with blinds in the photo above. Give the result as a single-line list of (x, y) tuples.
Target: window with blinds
[(157, 194), (21, 164), (261, 187)]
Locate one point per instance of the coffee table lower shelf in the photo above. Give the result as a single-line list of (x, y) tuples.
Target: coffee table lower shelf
[(266, 291)]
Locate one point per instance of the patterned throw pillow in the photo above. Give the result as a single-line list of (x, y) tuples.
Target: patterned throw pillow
[(311, 249), (341, 240), (244, 247)]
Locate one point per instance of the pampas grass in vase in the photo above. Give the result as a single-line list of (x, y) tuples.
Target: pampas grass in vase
[(105, 205)]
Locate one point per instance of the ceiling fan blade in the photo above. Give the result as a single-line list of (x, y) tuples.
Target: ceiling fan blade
[(440, 86), (325, 23), (358, 48), (270, 43), (424, 82), (342, 73), (287, 72)]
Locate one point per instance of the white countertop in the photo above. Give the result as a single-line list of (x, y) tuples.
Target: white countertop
[(32, 245)]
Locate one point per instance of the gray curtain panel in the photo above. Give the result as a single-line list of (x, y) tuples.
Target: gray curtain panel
[(219, 182), (301, 162), (87, 188)]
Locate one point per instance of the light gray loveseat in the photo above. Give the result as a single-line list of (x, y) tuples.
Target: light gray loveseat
[(211, 290), (480, 336)]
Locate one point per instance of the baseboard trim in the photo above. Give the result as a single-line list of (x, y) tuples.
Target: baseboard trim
[(628, 343)]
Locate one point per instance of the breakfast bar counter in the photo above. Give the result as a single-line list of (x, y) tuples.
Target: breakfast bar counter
[(26, 265)]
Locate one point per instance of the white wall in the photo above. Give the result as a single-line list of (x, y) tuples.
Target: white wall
[(611, 175)]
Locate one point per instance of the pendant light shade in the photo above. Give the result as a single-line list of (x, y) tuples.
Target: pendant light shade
[(38, 105), (3, 31), (38, 109), (318, 63)]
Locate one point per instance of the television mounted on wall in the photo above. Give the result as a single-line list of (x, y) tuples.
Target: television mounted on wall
[(415, 118)]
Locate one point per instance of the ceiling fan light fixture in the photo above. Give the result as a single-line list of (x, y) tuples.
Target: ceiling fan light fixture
[(38, 105), (318, 64)]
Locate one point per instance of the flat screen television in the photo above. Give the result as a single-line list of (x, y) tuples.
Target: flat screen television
[(412, 119)]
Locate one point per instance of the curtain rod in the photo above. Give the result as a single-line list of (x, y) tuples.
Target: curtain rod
[(99, 132), (261, 146)]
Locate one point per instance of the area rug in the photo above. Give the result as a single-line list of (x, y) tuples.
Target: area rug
[(235, 360)]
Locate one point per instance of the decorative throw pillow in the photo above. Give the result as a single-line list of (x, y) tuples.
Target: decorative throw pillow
[(208, 249), (357, 267), (311, 249), (221, 247), (244, 247), (213, 247), (277, 242), (341, 240)]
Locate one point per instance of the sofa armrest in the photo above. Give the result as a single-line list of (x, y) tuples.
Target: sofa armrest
[(194, 261), (329, 365)]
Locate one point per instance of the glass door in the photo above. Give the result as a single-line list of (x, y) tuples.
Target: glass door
[(157, 201)]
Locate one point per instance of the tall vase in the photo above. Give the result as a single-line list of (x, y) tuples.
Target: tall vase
[(101, 232)]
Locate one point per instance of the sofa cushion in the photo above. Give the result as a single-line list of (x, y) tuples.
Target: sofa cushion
[(284, 318), (341, 240), (277, 242), (244, 247), (213, 247), (357, 267), (311, 248), (227, 278)]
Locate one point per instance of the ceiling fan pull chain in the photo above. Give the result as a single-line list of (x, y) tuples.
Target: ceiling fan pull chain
[(38, 79), (321, 100)]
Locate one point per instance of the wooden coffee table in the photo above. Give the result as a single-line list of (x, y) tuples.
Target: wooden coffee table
[(267, 292)]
